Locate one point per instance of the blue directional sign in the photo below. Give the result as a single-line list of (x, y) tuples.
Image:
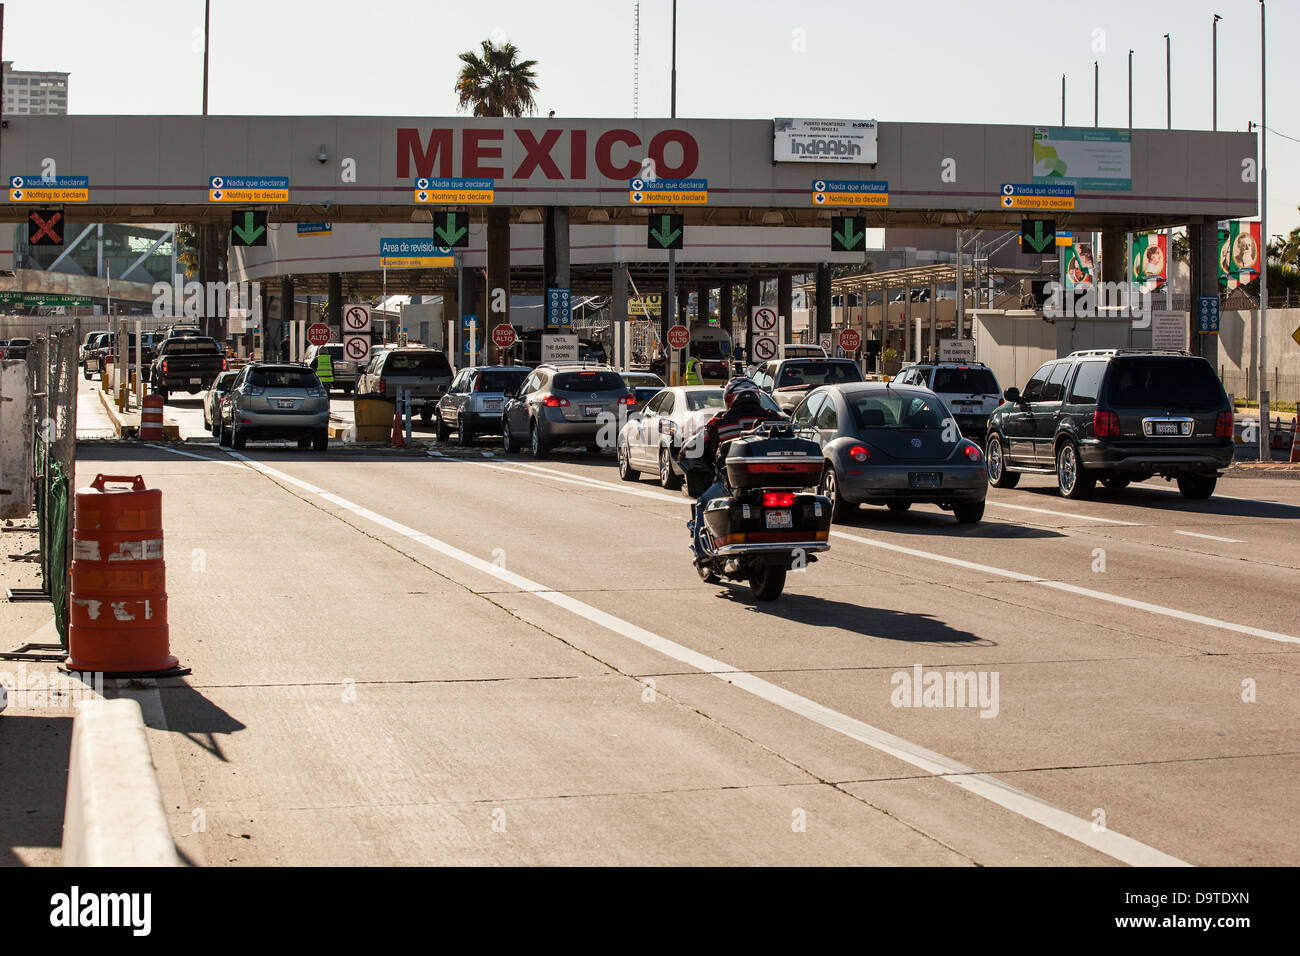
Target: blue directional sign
[(1037, 196), (315, 228), (557, 308), (1207, 314), (668, 192), (468, 318)]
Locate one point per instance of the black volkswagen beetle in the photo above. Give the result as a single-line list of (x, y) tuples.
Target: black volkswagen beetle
[(892, 445)]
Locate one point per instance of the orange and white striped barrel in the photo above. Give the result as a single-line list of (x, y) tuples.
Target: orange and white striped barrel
[(151, 418), (118, 614)]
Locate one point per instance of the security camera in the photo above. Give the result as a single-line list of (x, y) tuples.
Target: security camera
[(323, 156)]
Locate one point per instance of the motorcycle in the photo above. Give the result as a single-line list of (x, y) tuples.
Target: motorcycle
[(766, 523)]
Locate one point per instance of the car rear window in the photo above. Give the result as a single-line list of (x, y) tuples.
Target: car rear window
[(283, 378), (591, 381), (333, 351), (896, 411), (190, 346), (1149, 382), (814, 373), (500, 380), (416, 363), (709, 399), (225, 380), (966, 381)]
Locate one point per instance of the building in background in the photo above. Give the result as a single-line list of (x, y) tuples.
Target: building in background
[(29, 92)]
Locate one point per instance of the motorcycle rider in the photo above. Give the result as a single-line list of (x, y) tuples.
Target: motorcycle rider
[(707, 448)]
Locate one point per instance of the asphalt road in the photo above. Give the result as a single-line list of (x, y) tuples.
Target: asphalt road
[(460, 658)]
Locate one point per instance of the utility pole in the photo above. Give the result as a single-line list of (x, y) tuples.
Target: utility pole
[(1096, 93), (205, 232), (1214, 73), (1062, 99), (670, 307), (1169, 124), (1263, 253), (1130, 89)]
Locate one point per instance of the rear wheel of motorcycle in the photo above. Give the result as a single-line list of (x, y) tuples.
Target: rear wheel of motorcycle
[(706, 574), (768, 581)]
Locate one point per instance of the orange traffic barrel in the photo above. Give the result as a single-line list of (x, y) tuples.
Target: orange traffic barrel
[(117, 620), (151, 418)]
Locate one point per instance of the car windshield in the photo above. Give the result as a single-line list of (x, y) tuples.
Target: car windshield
[(643, 380), (813, 373), (965, 380), (416, 363), (500, 380), (896, 410), (709, 398), (590, 381), (283, 378), (1156, 381)]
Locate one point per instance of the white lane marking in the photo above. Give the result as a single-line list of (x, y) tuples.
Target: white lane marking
[(1113, 844), (190, 454), (553, 474), (1061, 514), (1075, 589), (1211, 537)]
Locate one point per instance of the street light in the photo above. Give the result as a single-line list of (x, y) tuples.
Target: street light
[(1130, 89), (1214, 72), (1263, 231)]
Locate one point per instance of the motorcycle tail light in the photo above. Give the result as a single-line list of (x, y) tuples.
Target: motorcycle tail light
[(778, 499)]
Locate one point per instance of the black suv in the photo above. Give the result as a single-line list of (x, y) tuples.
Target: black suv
[(1117, 415)]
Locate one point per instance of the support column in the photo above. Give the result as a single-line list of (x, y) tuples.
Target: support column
[(1112, 257), (907, 327), (555, 247), (884, 321), (335, 314), (823, 310), (934, 324), (785, 301), (725, 306), (753, 298), (286, 313), (618, 316), (497, 305), (703, 295), (1203, 245)]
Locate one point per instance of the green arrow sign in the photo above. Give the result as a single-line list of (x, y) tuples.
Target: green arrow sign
[(848, 234), (665, 231), (248, 228), (451, 229), (1037, 234)]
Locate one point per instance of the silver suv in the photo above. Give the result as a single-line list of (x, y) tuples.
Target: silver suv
[(276, 402), (566, 404), (970, 389), (423, 372)]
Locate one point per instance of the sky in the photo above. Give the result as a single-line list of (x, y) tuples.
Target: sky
[(959, 61)]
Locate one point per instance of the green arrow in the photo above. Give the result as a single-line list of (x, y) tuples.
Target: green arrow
[(1038, 241), (662, 235), (848, 239), (247, 233), (448, 237)]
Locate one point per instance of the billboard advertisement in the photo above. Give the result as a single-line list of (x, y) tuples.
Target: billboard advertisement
[(823, 141), (1079, 265), (1150, 261), (1087, 158), (1239, 253)]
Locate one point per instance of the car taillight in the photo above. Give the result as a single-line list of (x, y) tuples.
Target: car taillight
[(383, 386), (860, 453), (225, 365), (973, 453), (164, 366), (555, 401), (1105, 424), (627, 400), (1223, 425), (778, 499)]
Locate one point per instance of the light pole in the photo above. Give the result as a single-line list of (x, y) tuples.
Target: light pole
[(1169, 124), (670, 307), (1214, 72), (1263, 232), (1096, 93), (1130, 89), (1062, 99)]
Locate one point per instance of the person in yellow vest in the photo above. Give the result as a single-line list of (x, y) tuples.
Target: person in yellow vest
[(693, 371), (324, 369)]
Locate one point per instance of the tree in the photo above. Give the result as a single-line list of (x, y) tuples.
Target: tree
[(497, 83), (187, 248)]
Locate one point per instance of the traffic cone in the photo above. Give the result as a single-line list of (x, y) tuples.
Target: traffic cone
[(398, 441), (1295, 445)]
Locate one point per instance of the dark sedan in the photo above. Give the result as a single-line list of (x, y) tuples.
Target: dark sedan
[(893, 445)]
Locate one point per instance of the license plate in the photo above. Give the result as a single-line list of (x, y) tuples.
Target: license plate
[(285, 403), (591, 411), (196, 381), (492, 406), (1168, 428), (779, 519), (923, 479)]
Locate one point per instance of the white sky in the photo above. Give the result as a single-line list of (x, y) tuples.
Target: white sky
[(997, 61)]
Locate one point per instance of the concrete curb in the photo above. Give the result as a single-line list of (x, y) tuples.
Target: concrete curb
[(127, 425), (114, 815)]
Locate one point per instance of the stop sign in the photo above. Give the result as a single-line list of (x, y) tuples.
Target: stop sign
[(679, 336), (850, 340), (503, 336), (318, 333)]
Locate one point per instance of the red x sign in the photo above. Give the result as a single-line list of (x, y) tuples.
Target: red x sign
[(41, 229)]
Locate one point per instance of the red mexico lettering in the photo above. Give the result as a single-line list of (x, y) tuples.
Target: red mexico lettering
[(539, 154), (474, 149), (578, 154), (604, 154), (409, 146), (690, 154)]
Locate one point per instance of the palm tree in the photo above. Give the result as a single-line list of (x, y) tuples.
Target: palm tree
[(497, 83), (187, 248)]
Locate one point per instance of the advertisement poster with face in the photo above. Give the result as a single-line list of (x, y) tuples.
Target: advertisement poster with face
[(1150, 263), (1239, 253), (1079, 267)]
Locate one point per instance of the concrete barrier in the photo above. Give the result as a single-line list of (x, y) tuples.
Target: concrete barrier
[(114, 815)]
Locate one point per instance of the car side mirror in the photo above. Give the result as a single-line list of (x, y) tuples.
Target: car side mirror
[(1012, 395)]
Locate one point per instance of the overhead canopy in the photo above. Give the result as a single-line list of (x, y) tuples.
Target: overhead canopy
[(916, 277)]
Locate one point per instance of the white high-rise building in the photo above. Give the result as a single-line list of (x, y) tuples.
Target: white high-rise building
[(31, 91)]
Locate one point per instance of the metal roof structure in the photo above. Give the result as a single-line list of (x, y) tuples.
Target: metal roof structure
[(914, 277)]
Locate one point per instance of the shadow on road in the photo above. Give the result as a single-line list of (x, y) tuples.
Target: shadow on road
[(943, 525), (1139, 496), (811, 610), (193, 716), (33, 782)]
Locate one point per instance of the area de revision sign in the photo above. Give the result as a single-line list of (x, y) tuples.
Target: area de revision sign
[(414, 252)]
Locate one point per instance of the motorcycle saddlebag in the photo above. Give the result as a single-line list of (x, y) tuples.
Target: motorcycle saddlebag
[(731, 521)]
